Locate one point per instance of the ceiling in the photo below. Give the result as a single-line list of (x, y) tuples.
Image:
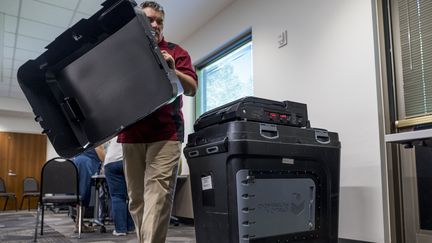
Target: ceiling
[(27, 26)]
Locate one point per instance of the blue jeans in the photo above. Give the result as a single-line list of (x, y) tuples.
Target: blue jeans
[(117, 187), (87, 166)]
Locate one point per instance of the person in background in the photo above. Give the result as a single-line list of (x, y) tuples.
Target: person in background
[(88, 164), (152, 146), (115, 178)]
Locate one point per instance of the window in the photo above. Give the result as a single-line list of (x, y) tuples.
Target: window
[(414, 59), (415, 29), (225, 76), (407, 32)]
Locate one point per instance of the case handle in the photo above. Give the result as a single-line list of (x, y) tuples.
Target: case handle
[(73, 109), (321, 136), (269, 131), (193, 153), (212, 149)]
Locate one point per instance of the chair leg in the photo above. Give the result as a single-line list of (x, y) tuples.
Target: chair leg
[(2, 198), (22, 201), (28, 203), (16, 204), (37, 222), (80, 219), (4, 207), (42, 221)]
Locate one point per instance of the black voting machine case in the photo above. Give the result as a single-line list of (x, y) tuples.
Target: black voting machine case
[(263, 182), (98, 77)]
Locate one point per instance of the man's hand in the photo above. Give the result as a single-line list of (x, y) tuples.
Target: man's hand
[(189, 84), (169, 59)]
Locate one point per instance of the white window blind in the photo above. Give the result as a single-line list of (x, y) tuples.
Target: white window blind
[(415, 18)]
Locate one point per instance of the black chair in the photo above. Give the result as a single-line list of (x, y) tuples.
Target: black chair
[(59, 186), (30, 190), (6, 195)]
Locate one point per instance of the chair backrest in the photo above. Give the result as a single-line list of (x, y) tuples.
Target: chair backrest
[(59, 176), (30, 184), (2, 185)]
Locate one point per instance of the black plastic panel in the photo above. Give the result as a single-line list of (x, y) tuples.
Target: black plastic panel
[(296, 153), (101, 75)]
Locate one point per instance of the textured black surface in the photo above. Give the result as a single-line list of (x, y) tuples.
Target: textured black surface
[(424, 185)]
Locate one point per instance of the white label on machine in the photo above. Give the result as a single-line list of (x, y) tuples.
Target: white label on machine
[(206, 182), (287, 161)]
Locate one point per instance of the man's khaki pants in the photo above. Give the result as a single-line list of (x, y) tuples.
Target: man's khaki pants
[(151, 171)]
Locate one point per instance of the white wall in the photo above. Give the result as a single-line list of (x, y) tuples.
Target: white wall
[(16, 116), (189, 116), (329, 64)]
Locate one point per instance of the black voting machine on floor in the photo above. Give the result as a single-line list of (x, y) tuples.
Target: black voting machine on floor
[(99, 76), (259, 173)]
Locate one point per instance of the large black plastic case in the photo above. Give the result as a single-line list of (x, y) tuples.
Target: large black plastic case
[(257, 182), (98, 77), (256, 109)]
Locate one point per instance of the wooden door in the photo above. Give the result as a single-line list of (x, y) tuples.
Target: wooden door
[(22, 155)]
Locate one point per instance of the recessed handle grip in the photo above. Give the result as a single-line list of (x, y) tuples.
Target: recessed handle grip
[(269, 131)]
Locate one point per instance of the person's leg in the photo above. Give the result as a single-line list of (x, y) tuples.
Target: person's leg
[(161, 173), (81, 163), (134, 169), (86, 169), (117, 188)]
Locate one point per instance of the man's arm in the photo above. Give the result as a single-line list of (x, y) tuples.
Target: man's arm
[(189, 84)]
